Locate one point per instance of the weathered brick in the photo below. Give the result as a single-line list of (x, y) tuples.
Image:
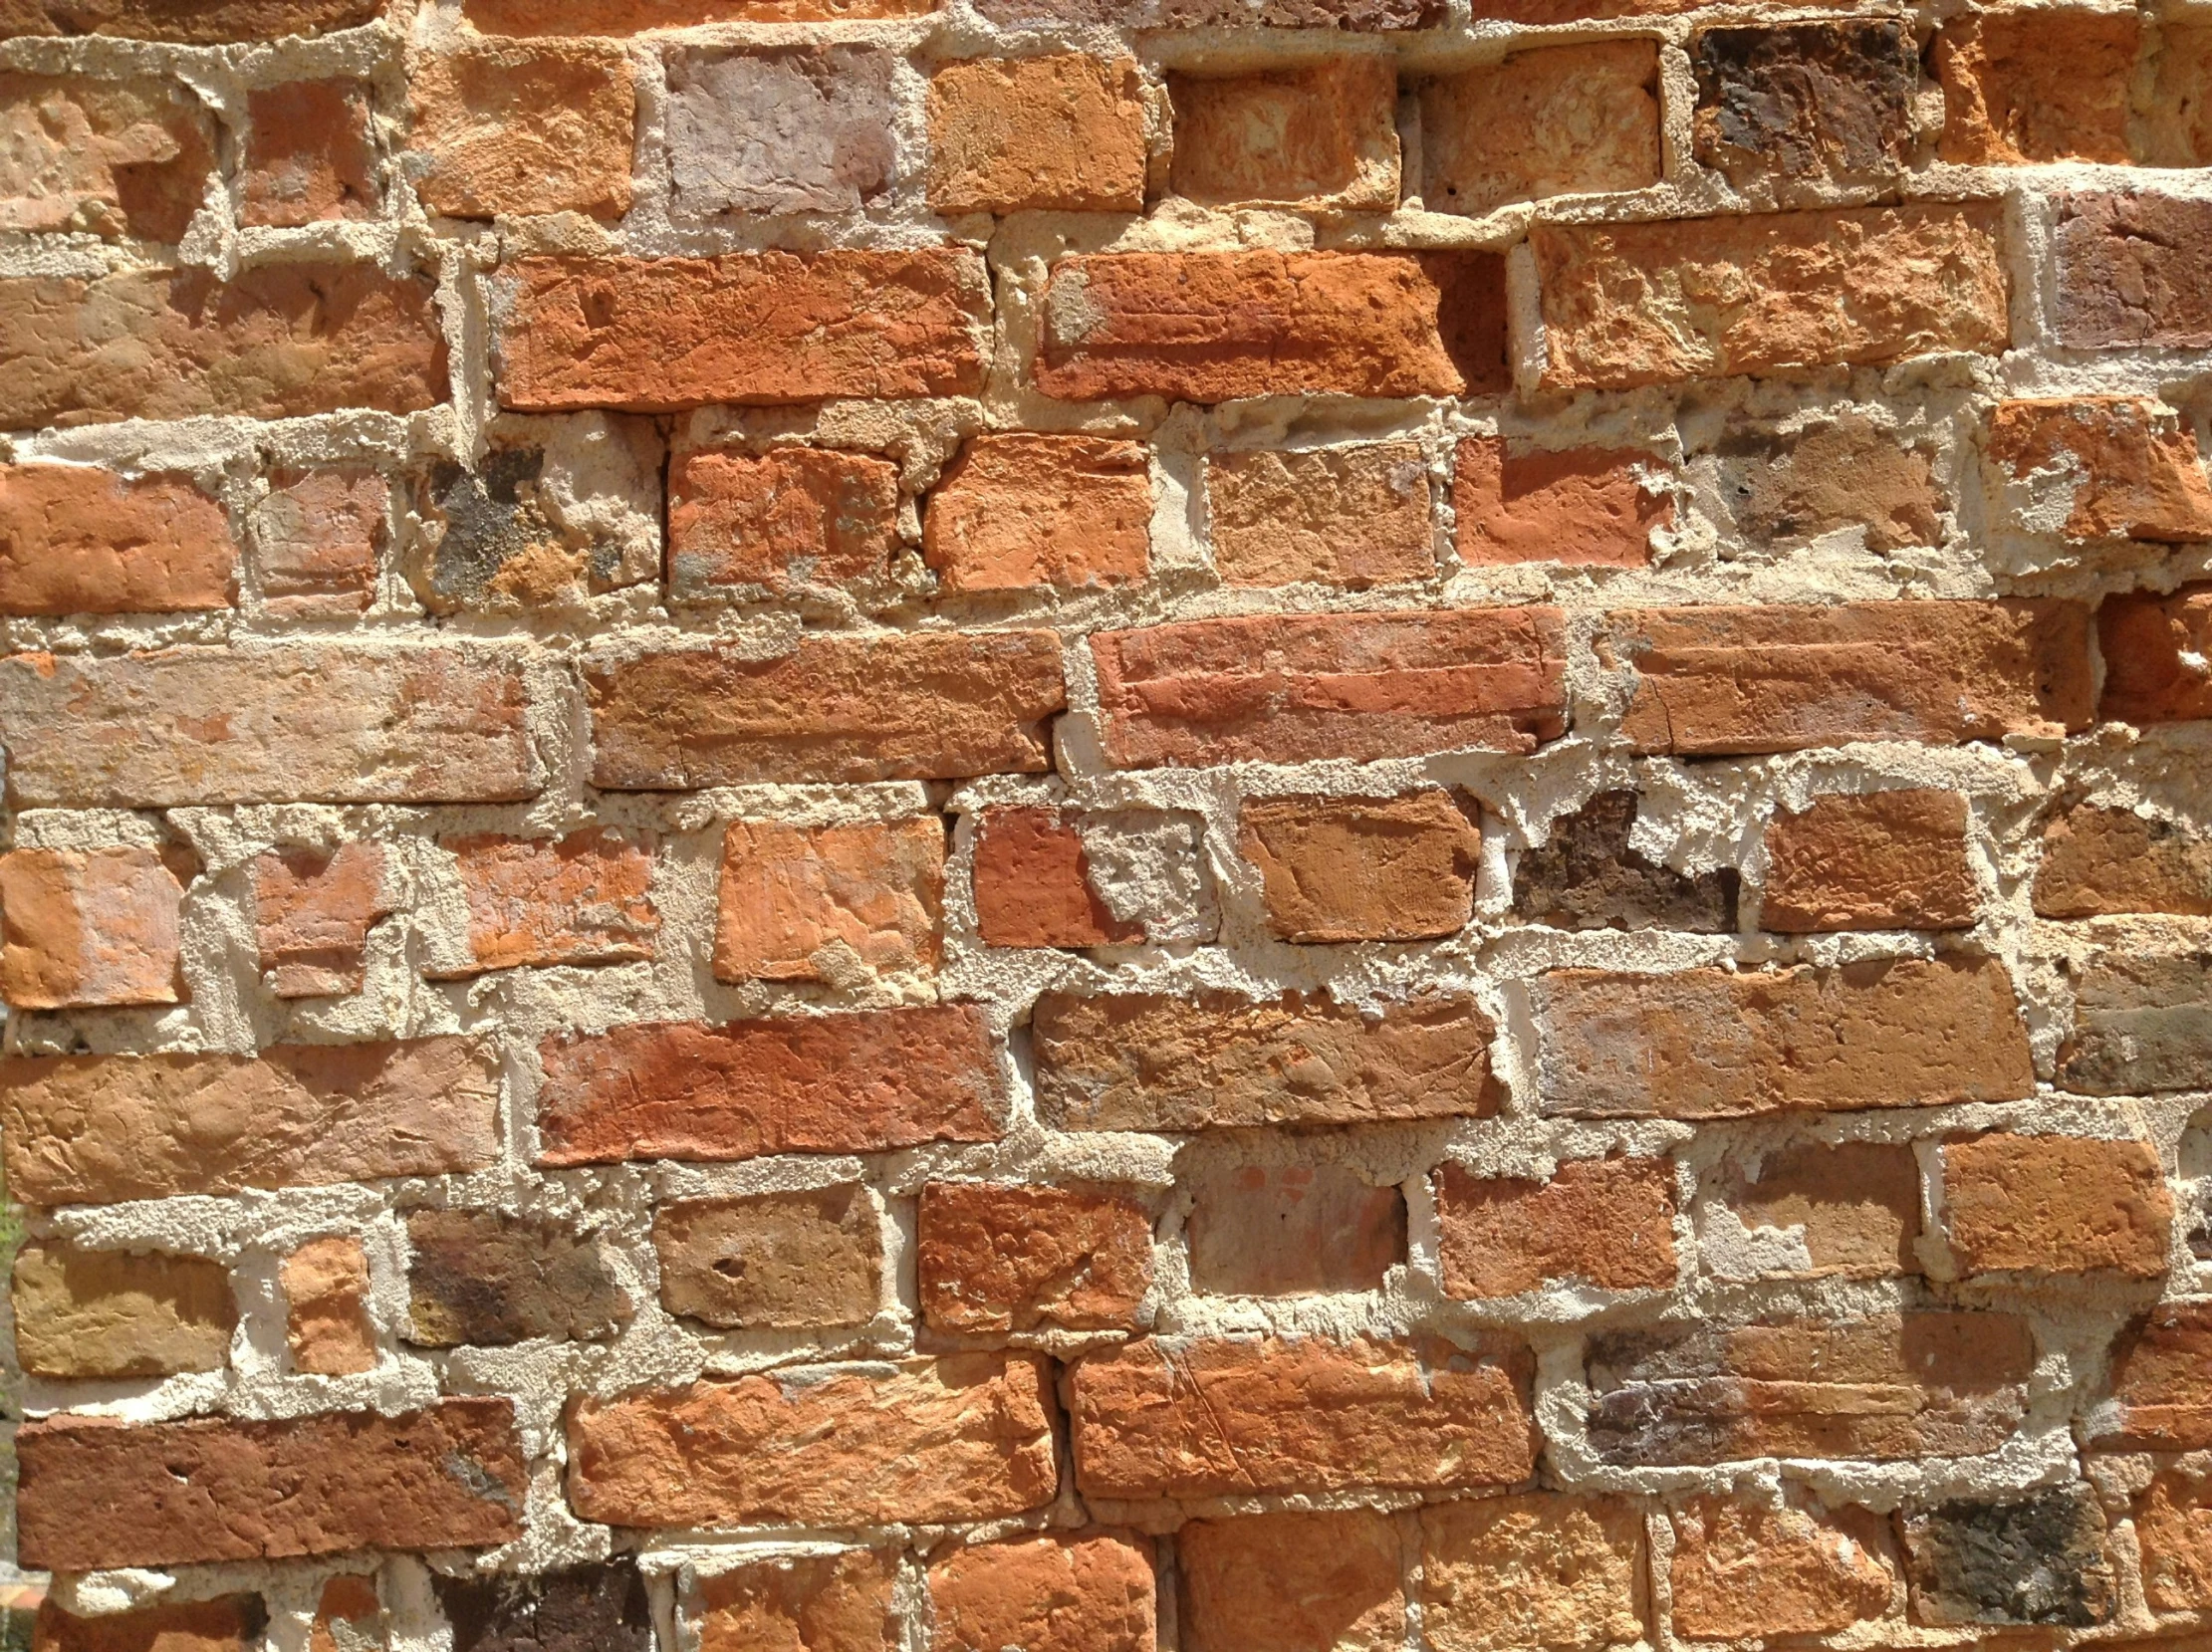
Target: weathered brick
[(1222, 1417), (1716, 1044), (776, 1261), (98, 1493), (1578, 506), (310, 155), (85, 927), (1648, 303), (113, 157), (1339, 516), (111, 1314), (964, 1438), (1290, 1582), (347, 1616), (2177, 125), (1063, 133), (1607, 1223), (1001, 1259), (843, 1602), (1788, 490), (2099, 467), (2055, 1205), (1534, 1570), (806, 904), (509, 128), (325, 1307), (312, 913), (581, 899), (483, 1280), (2161, 1382), (2155, 650), (1720, 681), (1206, 1059), (1587, 876), (1037, 881), (932, 705), (2132, 268), (1289, 688), (231, 1623), (625, 17), (1889, 1388), (2140, 1025), (1872, 860), (1015, 512), (2173, 1526), (2099, 861), (278, 342), (1814, 1211), (661, 334), (318, 540), (76, 539), (837, 1083), (2040, 1560), (1363, 15), (1213, 326), (100, 1129), (1286, 1230), (588, 1608), (1322, 133), (803, 128), (312, 724), (1363, 868), (1080, 1592), (1562, 121), (792, 516), (1746, 1570), (190, 22), (2024, 84), (1826, 102)]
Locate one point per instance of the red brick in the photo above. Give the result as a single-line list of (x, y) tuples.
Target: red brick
[(1363, 15), (110, 157), (318, 540), (100, 1130), (1717, 1043), (509, 128), (232, 1624), (309, 156), (1289, 688), (838, 1083), (1015, 512), (799, 904), (1086, 1593), (1745, 1571), (2099, 861), (1781, 293), (1286, 1230), (964, 1438), (792, 516), (934, 705), (1213, 326), (348, 1600), (581, 899), (1579, 506), (2122, 467), (1851, 1210), (325, 1307), (2173, 1525), (1216, 1418), (1533, 1570), (1033, 884), (2132, 268), (97, 1493), (85, 927), (2055, 1205), (1722, 682), (841, 1602), (1607, 1223), (2161, 1382), (623, 17), (1063, 133), (1341, 515), (753, 329), (278, 342), (1363, 868), (312, 724), (2036, 84), (1290, 1582), (1001, 1259), (1323, 134), (1563, 121), (191, 22), (312, 913), (2154, 650), (1876, 860), (74, 540), (1209, 1059)]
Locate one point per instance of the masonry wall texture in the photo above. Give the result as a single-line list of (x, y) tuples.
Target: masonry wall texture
[(1107, 826)]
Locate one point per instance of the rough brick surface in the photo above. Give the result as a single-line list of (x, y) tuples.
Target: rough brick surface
[(1021, 511), (1816, 101), (1289, 135), (799, 905), (87, 927), (1587, 876), (194, 22), (2155, 668), (110, 1313), (1847, 473), (2156, 1382), (1290, 1582), (792, 131), (1581, 506), (2027, 85), (1809, 1212), (1063, 132), (781, 1261), (2131, 271), (1082, 1593), (1536, 1569), (2040, 1560), (480, 1279), (312, 909), (2098, 860), (602, 1607), (1363, 869), (2142, 1024), (1883, 860), (1565, 121), (2117, 467), (311, 156), (581, 899), (231, 1623), (792, 516), (1742, 1569), (840, 1602), (103, 155), (327, 1327), (996, 1259), (2055, 1205), (1355, 516), (317, 539), (1607, 1223), (1291, 1229), (510, 129)]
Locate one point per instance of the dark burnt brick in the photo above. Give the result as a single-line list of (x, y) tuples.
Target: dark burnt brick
[(2133, 269), (593, 1608), (2039, 1561), (1588, 877), (1813, 101), (1354, 16), (478, 1279), (2140, 1025)]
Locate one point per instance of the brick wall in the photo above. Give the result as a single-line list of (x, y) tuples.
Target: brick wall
[(1107, 826)]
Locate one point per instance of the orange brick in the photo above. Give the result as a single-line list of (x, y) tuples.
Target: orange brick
[(347, 1599), (309, 156), (2161, 1382), (510, 129), (76, 539), (2173, 1524), (1323, 134), (580, 899), (82, 1313), (1033, 884), (325, 1307), (625, 17), (802, 903), (2098, 860), (114, 157), (232, 1624), (1290, 1582), (1877, 860), (312, 913), (1579, 506), (2119, 467), (193, 21), (1340, 516), (2032, 84), (792, 516), (1532, 1570), (1607, 1223), (87, 927), (2155, 649), (843, 1602), (1743, 1571), (2055, 1205), (1063, 133), (1016, 511), (1850, 1210), (1363, 868), (1563, 121), (1086, 1593), (999, 1258)]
